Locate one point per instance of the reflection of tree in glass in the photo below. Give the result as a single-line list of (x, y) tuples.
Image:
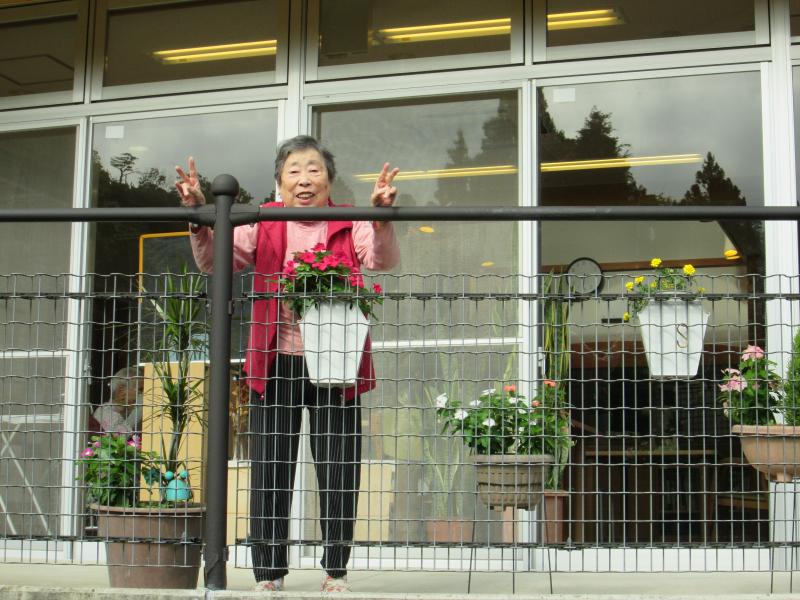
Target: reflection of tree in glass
[(586, 187), (713, 188)]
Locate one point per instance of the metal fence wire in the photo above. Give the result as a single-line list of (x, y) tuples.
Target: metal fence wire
[(645, 454)]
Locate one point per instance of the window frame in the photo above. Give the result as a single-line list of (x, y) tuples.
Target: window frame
[(38, 12), (314, 72), (154, 88)]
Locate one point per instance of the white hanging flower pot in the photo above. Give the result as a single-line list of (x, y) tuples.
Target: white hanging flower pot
[(672, 332), (333, 335)]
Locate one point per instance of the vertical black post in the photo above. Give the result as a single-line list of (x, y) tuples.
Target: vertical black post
[(225, 188)]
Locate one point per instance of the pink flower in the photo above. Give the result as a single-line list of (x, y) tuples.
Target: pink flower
[(319, 248), (510, 388), (96, 444), (306, 257), (289, 269), (87, 453), (136, 442), (321, 265), (346, 262), (534, 403), (752, 352), (377, 289), (549, 383), (331, 261), (735, 383), (356, 280)]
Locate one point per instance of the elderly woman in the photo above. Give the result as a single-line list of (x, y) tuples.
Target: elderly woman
[(122, 414), (275, 367)]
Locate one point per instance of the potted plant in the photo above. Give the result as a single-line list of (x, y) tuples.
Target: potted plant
[(510, 440), (443, 458), (671, 319), (155, 542), (752, 396), (556, 356), (328, 296)]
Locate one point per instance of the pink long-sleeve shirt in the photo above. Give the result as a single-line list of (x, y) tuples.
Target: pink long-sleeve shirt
[(376, 247)]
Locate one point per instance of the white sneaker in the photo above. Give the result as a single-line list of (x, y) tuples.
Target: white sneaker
[(276, 585)]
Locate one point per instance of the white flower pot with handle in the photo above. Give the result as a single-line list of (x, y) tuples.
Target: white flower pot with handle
[(672, 332), (333, 335)]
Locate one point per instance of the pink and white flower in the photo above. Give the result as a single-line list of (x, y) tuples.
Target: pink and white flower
[(752, 352)]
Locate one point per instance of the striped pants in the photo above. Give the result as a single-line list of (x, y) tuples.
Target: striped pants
[(335, 439)]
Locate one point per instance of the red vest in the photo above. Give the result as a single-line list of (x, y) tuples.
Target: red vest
[(270, 252)]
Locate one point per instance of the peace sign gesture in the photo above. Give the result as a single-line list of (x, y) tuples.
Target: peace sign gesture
[(384, 193), (189, 186)]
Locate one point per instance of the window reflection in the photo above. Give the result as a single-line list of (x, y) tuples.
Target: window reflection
[(357, 31), (216, 38), (593, 21), (794, 16), (457, 151), (661, 142), (653, 142), (37, 56)]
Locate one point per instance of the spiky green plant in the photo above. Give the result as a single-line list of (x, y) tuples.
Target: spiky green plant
[(183, 333)]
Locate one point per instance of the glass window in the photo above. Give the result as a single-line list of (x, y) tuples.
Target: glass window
[(37, 169), (572, 22), (32, 255), (184, 40), (360, 31), (38, 52), (454, 151), (655, 142), (133, 164), (794, 16)]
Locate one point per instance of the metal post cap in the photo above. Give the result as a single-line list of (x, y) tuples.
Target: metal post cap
[(225, 185)]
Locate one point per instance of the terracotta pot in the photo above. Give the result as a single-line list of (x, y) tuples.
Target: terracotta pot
[(554, 515), (147, 561), (771, 449), (508, 480), (441, 532)]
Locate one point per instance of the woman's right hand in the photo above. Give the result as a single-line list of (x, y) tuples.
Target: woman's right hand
[(189, 186)]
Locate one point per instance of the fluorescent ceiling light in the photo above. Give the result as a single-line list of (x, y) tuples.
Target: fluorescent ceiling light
[(585, 18), (571, 165), (445, 173), (614, 163), (218, 52), (427, 229), (443, 31), (487, 263)]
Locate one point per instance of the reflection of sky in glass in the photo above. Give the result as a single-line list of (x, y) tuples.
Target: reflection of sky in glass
[(677, 115), (415, 138), (240, 143)]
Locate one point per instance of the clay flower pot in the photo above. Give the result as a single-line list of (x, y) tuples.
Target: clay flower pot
[(510, 480), (771, 449)]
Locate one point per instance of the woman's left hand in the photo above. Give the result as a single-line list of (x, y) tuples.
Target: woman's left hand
[(384, 193)]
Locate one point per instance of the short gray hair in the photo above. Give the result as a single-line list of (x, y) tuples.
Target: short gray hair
[(297, 144), (128, 377)]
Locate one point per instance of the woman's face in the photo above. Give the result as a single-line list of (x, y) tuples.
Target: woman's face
[(304, 180)]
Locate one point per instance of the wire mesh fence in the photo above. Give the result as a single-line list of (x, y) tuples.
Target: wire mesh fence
[(104, 386)]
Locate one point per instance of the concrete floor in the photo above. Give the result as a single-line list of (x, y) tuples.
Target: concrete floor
[(32, 581)]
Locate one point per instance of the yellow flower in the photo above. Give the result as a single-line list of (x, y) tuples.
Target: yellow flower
[(629, 286), (688, 270), (701, 290), (626, 316), (639, 279), (653, 284), (655, 263)]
